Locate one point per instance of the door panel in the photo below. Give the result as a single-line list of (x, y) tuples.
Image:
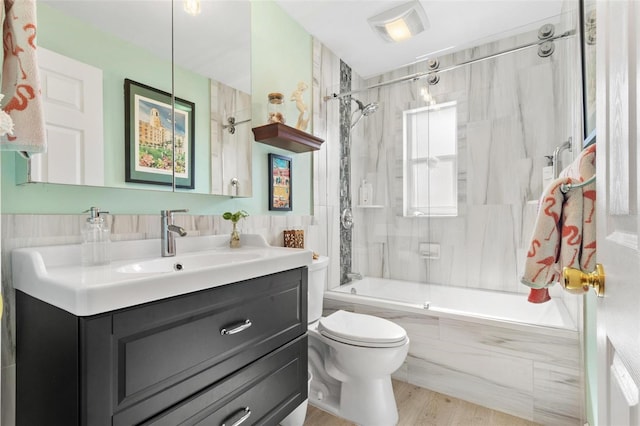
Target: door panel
[(618, 313), (72, 101)]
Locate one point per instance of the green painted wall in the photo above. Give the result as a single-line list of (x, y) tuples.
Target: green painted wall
[(281, 57), (273, 68)]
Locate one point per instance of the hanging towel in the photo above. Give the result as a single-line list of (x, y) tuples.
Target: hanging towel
[(582, 169), (564, 233), (20, 79)]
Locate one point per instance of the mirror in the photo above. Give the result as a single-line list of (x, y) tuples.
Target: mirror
[(221, 52), (589, 34), (90, 48)]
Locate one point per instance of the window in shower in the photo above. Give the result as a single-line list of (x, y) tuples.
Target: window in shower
[(430, 177)]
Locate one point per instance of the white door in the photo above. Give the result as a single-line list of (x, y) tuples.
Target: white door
[(72, 102), (617, 206)]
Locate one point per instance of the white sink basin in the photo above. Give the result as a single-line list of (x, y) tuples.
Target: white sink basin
[(137, 273), (186, 262)]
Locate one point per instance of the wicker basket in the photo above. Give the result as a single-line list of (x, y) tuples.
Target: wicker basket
[(294, 239)]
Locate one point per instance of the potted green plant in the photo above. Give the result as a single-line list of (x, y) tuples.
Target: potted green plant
[(234, 242)]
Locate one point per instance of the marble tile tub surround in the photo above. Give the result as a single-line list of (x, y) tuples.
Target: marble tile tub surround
[(511, 112), (527, 372), (38, 230), (501, 148)]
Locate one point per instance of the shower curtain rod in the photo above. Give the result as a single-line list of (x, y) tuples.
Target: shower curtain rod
[(422, 74)]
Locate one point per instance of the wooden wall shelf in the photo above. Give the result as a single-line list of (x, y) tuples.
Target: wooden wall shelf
[(286, 137)]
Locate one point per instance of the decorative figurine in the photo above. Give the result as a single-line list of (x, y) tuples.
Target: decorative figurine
[(301, 106)]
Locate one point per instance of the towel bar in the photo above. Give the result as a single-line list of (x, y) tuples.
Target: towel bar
[(566, 187)]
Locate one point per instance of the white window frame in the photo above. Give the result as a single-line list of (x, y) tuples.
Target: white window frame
[(411, 189)]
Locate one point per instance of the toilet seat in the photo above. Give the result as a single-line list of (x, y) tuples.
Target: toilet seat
[(362, 330)]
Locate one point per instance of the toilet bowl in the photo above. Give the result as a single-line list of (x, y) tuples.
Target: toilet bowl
[(354, 357), (351, 359)]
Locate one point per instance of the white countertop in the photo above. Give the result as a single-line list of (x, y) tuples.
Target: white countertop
[(54, 275)]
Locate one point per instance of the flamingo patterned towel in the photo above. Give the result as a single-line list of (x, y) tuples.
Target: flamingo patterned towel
[(20, 79), (564, 233)]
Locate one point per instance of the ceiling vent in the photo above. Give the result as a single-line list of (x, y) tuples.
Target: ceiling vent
[(401, 22)]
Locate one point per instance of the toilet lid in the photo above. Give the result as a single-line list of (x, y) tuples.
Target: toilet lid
[(362, 330)]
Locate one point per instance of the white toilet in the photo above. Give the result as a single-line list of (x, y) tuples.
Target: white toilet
[(351, 358)]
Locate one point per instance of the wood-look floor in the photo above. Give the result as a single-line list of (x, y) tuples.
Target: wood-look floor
[(421, 407)]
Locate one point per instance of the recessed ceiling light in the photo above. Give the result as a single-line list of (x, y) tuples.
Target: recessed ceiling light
[(401, 22)]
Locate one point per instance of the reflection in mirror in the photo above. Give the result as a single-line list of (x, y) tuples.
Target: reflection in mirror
[(212, 62), (130, 39), (84, 62), (589, 65), (230, 141)]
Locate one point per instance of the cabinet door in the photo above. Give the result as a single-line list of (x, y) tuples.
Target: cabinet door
[(261, 393), (166, 351)]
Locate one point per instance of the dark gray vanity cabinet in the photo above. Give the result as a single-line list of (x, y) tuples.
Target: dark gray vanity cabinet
[(207, 358)]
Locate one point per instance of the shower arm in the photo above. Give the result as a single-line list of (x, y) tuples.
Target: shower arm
[(556, 154)]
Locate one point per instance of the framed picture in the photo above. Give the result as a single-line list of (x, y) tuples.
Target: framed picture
[(149, 127), (279, 183)]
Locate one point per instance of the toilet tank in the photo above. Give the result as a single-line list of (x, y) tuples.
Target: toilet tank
[(317, 283)]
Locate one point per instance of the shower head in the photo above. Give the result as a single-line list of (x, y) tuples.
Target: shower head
[(370, 108), (365, 110)]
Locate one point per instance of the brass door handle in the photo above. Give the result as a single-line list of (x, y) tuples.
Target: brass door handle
[(577, 282)]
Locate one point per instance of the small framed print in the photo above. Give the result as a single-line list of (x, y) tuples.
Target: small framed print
[(280, 183)]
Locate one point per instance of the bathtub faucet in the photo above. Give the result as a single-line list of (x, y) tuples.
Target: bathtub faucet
[(354, 276)]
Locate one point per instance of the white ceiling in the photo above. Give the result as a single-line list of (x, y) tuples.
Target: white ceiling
[(342, 26)]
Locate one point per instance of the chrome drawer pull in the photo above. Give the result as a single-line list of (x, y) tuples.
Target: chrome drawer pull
[(241, 419), (237, 329)]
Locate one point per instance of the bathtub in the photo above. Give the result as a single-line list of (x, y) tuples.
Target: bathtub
[(490, 348), (468, 302)]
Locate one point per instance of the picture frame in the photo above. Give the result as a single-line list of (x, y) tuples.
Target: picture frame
[(149, 138), (280, 183)]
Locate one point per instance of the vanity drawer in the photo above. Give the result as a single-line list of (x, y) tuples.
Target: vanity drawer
[(166, 351), (263, 392)]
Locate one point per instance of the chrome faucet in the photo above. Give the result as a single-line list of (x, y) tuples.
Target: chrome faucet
[(168, 231), (354, 276)]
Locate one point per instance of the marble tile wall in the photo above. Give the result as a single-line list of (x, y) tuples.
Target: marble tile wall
[(326, 171), (38, 230), (529, 373)]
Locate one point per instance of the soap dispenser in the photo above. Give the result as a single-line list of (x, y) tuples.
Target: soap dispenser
[(96, 239)]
